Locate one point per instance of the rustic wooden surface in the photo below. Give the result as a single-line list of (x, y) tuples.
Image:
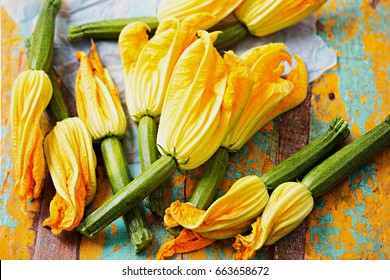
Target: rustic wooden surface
[(350, 222)]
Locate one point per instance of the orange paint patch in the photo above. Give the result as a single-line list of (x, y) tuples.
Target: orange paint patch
[(16, 234), (326, 98)]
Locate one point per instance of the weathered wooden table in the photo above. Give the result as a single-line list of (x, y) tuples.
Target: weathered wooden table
[(350, 222)]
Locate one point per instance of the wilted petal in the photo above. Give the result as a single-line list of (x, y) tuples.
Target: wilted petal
[(181, 9), (97, 98), (187, 241), (268, 90), (147, 75), (288, 206), (227, 216), (71, 162), (299, 77), (31, 93), (263, 17)]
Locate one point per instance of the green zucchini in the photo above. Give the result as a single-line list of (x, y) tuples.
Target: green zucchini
[(110, 30), (147, 139), (42, 40), (107, 29), (118, 174), (309, 156), (338, 166), (213, 173), (56, 109), (127, 197), (230, 36)]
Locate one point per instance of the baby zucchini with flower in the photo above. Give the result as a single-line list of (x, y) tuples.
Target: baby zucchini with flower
[(148, 66), (31, 94), (291, 202), (194, 119), (100, 108), (68, 147), (191, 218)]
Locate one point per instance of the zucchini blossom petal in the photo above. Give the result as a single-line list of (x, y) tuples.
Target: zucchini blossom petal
[(31, 93), (229, 215), (148, 64), (199, 105), (288, 206), (98, 102), (263, 17), (181, 9), (71, 162), (269, 91)]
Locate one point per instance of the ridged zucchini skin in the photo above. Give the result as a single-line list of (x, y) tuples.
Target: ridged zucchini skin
[(147, 144), (213, 173), (110, 30), (56, 109), (338, 166), (107, 29), (42, 40), (119, 176), (230, 36), (309, 156), (127, 197)]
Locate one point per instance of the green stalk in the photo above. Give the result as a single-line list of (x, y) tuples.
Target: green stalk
[(42, 40), (309, 156), (147, 143), (335, 168), (230, 36), (39, 48), (56, 109), (118, 174), (127, 197), (213, 173), (110, 30), (107, 29)]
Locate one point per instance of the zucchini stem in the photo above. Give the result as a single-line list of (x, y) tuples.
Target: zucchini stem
[(309, 156), (123, 200), (335, 168), (147, 143), (118, 174)]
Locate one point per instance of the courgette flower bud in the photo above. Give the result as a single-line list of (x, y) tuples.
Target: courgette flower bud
[(229, 215), (181, 9), (97, 98), (31, 93), (269, 90), (71, 161), (199, 105), (263, 17), (288, 206), (148, 64)]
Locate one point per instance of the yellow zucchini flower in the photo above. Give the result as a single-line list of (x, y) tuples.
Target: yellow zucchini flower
[(229, 215), (71, 162), (263, 17), (98, 102), (181, 9), (31, 93), (199, 103), (271, 95), (288, 206), (148, 64)]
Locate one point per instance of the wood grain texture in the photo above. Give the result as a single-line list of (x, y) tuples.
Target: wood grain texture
[(48, 246), (294, 130)]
